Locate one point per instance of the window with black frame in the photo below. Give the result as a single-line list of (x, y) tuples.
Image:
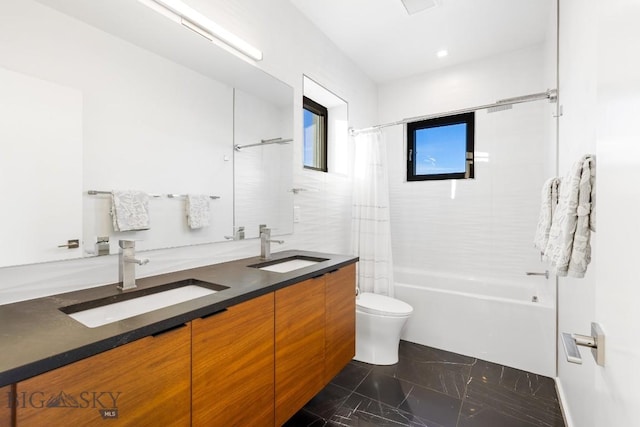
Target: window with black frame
[(315, 135), (441, 148)]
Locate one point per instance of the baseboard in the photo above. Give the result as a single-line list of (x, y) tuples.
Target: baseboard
[(564, 407)]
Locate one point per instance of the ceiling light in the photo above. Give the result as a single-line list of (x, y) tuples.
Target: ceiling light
[(415, 6), (179, 12), (442, 53)]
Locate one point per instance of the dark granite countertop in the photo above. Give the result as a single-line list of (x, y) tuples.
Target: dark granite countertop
[(35, 336)]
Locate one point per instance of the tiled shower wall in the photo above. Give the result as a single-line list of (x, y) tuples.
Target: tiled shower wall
[(482, 228)]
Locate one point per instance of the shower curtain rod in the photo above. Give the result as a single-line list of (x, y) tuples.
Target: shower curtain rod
[(550, 94)]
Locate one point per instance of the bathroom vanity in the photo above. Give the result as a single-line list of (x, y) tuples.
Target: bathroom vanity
[(252, 353)]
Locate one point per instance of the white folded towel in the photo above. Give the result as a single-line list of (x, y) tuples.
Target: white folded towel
[(569, 248), (198, 210), (548, 204), (130, 210)]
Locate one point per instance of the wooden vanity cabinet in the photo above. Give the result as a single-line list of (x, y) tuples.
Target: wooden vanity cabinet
[(315, 337), (300, 325), (233, 366), (340, 323), (253, 364), (145, 382)]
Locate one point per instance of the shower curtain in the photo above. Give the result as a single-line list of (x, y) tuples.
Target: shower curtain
[(370, 229)]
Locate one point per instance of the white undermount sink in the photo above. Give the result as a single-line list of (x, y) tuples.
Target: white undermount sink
[(123, 306), (287, 265)]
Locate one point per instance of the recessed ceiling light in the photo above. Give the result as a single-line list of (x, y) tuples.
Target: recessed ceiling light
[(442, 53), (415, 6)]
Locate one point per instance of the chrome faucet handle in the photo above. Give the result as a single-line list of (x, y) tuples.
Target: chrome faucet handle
[(142, 261), (127, 244), (265, 233)]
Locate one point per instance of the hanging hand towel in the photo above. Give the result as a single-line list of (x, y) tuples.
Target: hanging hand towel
[(568, 248), (592, 182), (130, 210), (548, 204), (585, 222), (198, 211)]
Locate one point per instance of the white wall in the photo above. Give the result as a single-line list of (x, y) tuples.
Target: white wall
[(292, 47), (485, 231), (577, 136), (600, 94)]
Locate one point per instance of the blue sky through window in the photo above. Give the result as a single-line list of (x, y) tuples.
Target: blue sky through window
[(309, 137), (441, 149)]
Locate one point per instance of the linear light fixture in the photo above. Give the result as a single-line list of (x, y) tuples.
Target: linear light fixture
[(190, 18)]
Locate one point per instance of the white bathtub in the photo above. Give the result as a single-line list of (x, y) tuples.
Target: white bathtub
[(488, 320)]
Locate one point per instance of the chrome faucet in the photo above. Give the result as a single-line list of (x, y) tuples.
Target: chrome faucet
[(127, 265), (265, 242)]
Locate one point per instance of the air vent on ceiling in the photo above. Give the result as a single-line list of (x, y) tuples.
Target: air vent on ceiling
[(415, 6)]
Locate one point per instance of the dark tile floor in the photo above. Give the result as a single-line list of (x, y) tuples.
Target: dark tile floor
[(434, 388)]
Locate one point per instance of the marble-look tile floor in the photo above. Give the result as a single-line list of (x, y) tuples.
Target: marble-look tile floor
[(433, 388)]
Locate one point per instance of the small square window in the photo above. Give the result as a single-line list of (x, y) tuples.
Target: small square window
[(441, 148), (315, 135)]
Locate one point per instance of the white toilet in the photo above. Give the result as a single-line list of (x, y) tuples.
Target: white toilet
[(379, 321)]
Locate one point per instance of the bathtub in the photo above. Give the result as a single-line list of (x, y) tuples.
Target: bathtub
[(489, 320)]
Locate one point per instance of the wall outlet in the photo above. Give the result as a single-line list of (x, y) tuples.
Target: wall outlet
[(296, 214)]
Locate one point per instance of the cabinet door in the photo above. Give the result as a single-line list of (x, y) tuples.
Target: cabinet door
[(233, 366), (6, 399), (299, 346), (340, 328), (146, 382)]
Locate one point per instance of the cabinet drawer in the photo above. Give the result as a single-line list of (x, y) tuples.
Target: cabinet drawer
[(146, 382)]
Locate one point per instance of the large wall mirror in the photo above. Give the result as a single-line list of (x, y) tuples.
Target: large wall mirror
[(263, 160), (101, 96)]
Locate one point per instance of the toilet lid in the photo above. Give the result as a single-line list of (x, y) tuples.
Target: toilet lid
[(382, 304)]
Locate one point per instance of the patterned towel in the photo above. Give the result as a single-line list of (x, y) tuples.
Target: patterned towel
[(548, 204), (569, 248), (198, 211), (130, 210)]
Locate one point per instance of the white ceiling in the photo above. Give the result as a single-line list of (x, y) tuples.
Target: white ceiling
[(388, 43)]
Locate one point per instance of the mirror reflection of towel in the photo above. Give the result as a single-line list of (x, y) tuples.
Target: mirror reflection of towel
[(198, 211), (130, 210)]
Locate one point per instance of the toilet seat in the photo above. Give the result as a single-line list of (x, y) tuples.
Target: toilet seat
[(382, 305)]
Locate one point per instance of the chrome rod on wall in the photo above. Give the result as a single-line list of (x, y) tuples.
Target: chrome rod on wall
[(96, 192), (550, 94), (180, 196), (239, 147)]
